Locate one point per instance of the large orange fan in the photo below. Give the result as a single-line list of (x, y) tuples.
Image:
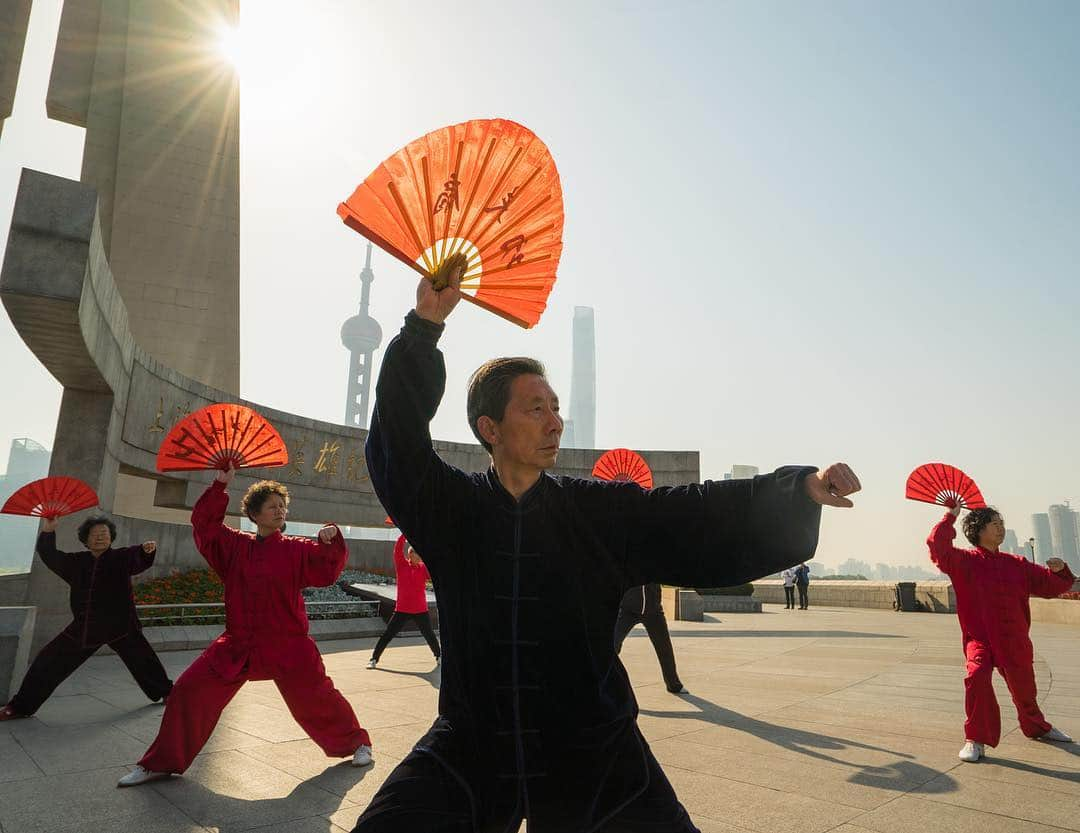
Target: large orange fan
[(623, 464), (51, 498), (944, 485), (483, 195), (219, 435)]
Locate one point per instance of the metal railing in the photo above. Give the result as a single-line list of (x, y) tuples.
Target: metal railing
[(213, 613)]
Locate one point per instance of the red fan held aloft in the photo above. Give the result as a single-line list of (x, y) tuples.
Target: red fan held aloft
[(51, 498), (944, 485), (483, 196), (623, 464), (218, 436)]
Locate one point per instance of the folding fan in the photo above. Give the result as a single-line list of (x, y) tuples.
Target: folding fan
[(484, 196), (944, 485), (51, 498), (623, 464), (218, 436)]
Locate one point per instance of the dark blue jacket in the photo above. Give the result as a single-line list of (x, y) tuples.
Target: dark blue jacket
[(536, 713)]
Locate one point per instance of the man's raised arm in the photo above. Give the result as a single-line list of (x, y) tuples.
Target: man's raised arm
[(413, 483)]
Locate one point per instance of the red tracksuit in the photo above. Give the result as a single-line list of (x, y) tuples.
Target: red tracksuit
[(992, 590), (411, 582), (266, 638)]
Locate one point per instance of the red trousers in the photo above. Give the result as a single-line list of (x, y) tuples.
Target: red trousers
[(202, 693), (983, 723)]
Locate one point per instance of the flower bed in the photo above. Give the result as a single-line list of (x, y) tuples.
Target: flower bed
[(181, 588)]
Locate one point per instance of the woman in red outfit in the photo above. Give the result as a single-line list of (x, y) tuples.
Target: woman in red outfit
[(412, 577), (992, 591), (266, 633)]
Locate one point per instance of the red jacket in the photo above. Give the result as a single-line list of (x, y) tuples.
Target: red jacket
[(411, 590), (264, 608), (992, 591)]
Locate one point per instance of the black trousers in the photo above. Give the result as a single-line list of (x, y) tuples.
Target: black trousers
[(789, 596), (656, 626), (420, 795), (397, 622), (803, 601), (59, 659)]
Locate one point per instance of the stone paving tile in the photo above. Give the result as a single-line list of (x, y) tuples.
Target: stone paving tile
[(827, 780), (270, 723), (304, 760), (908, 814), (712, 826), (809, 743), (1040, 778), (756, 808), (87, 801), (143, 725), (77, 710), (1018, 801), (232, 791), (15, 763), (58, 750)]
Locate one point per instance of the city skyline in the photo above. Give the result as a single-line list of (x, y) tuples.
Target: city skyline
[(821, 262)]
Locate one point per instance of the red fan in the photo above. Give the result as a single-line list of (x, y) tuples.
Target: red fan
[(51, 498), (944, 485), (219, 435), (483, 196), (623, 464)]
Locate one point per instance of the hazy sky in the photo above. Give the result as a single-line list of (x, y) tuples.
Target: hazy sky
[(811, 231)]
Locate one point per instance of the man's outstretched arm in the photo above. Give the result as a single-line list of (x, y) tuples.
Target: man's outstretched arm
[(730, 532)]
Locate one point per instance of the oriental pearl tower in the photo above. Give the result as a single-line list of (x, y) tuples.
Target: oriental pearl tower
[(361, 336)]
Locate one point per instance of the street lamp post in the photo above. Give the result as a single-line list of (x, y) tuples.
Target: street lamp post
[(1031, 543)]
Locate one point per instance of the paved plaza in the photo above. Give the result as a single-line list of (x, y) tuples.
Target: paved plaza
[(825, 720)]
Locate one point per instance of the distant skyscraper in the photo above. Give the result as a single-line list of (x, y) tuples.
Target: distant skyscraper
[(27, 461), (568, 434), (1044, 542), (361, 336), (1011, 542), (583, 380), (1063, 534), (741, 473)]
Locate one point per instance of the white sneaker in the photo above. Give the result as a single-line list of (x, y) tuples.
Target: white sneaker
[(971, 752), (372, 663), (1056, 734), (139, 775), (362, 756)]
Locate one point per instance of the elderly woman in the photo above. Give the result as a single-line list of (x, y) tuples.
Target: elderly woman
[(266, 632), (992, 591), (103, 611)]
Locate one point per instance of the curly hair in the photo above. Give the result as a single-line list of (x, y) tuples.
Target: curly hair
[(90, 523), (258, 494), (489, 389), (976, 521)]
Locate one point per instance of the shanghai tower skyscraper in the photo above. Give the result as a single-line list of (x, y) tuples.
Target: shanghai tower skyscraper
[(583, 381)]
